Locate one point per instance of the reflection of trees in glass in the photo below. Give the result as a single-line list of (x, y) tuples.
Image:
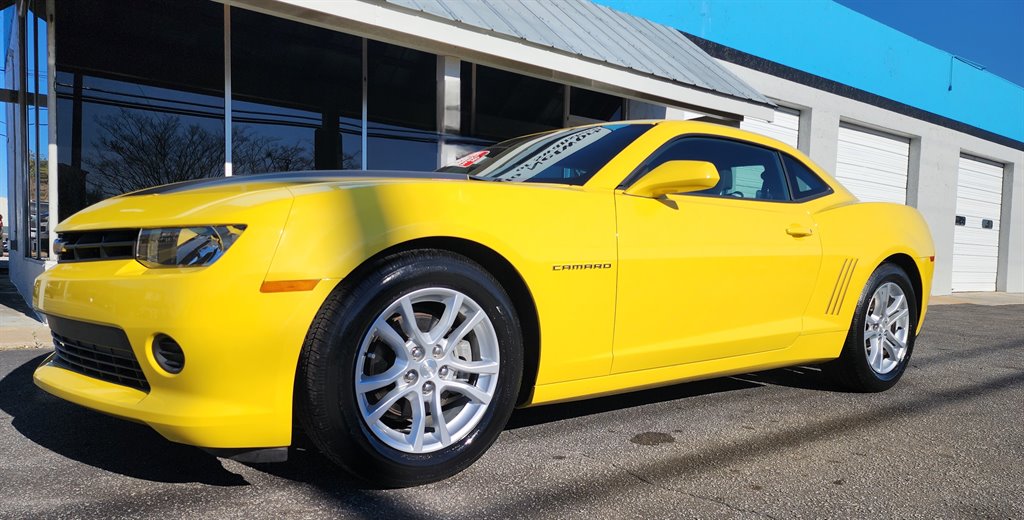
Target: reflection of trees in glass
[(252, 153), (44, 177), (38, 208), (136, 150)]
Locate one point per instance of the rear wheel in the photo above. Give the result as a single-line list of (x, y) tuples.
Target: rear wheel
[(881, 337), (410, 375)]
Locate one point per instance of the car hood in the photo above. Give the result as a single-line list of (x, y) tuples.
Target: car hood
[(222, 200)]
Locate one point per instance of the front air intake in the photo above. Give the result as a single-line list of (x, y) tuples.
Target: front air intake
[(110, 244), (96, 351)]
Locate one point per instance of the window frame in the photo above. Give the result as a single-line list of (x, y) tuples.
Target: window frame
[(634, 175), (789, 181)]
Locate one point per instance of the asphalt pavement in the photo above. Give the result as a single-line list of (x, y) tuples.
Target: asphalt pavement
[(946, 442)]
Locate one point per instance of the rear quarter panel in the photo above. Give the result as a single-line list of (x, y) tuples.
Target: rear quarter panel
[(856, 238)]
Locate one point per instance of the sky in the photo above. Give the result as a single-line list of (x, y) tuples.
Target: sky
[(987, 32)]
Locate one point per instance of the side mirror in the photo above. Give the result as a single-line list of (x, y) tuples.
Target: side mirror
[(675, 177)]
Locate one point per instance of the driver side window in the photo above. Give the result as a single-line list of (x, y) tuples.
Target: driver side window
[(745, 171)]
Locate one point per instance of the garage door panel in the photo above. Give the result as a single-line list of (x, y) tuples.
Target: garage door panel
[(860, 187), (983, 183), (863, 139), (976, 249), (873, 165), (978, 210), (878, 154), (981, 273), (981, 166), (975, 282), (872, 175), (983, 186), (976, 269), (976, 236), (785, 127), (973, 192), (979, 250)]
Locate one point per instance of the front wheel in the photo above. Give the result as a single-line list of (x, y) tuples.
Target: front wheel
[(409, 375), (881, 337)]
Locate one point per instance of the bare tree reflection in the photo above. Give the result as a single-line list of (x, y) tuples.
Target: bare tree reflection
[(136, 150), (258, 154)]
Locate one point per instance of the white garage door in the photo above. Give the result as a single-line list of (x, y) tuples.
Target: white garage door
[(979, 193), (785, 127), (873, 165)]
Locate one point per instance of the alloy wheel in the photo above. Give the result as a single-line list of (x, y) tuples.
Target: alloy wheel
[(886, 328), (426, 370)]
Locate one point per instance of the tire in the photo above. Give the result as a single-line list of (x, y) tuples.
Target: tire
[(890, 334), (359, 337)]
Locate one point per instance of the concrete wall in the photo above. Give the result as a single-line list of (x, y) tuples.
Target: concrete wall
[(934, 165)]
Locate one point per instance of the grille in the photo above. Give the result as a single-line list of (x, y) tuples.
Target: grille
[(96, 351), (107, 244)]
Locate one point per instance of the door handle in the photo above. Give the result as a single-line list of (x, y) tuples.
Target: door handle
[(797, 230)]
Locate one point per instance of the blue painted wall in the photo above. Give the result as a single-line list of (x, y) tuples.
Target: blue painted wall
[(832, 41)]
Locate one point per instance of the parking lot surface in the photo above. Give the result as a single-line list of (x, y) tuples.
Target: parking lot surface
[(947, 441)]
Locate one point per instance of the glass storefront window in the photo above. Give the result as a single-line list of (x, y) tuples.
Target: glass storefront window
[(38, 127), (296, 96), (10, 129), (25, 127), (595, 106), (139, 100), (401, 108), (505, 104)]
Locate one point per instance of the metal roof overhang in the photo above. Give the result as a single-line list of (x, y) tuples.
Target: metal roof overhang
[(633, 57)]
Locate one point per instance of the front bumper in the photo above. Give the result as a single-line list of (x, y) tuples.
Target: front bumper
[(241, 346)]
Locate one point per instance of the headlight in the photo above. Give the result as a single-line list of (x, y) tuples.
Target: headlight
[(185, 247)]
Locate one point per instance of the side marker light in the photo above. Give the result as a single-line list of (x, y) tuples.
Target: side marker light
[(288, 286)]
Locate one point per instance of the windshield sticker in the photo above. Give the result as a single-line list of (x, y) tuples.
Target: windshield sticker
[(554, 152), (469, 160)]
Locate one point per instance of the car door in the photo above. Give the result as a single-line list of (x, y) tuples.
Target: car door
[(714, 274)]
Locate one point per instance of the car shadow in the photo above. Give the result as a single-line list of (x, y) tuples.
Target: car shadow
[(101, 441), (135, 450), (307, 466), (802, 377), (524, 417)]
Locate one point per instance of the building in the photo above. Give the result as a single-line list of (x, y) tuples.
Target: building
[(101, 97)]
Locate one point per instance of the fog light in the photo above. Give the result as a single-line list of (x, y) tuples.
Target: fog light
[(168, 354)]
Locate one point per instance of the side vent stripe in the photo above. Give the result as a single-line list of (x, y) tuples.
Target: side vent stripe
[(846, 285), (835, 303), (835, 288)]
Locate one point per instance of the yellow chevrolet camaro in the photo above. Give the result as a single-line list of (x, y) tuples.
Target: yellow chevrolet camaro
[(400, 317)]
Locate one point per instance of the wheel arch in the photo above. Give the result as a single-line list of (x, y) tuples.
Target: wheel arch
[(909, 266), (501, 269)]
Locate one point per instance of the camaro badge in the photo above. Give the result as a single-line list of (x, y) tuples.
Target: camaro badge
[(576, 267)]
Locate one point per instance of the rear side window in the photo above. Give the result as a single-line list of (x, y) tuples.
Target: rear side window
[(745, 171), (805, 183)]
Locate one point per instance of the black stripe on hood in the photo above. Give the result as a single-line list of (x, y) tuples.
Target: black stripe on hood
[(303, 177)]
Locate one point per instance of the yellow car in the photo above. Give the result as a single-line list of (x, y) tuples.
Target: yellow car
[(400, 317)]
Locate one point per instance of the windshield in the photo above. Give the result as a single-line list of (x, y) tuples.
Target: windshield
[(570, 156)]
